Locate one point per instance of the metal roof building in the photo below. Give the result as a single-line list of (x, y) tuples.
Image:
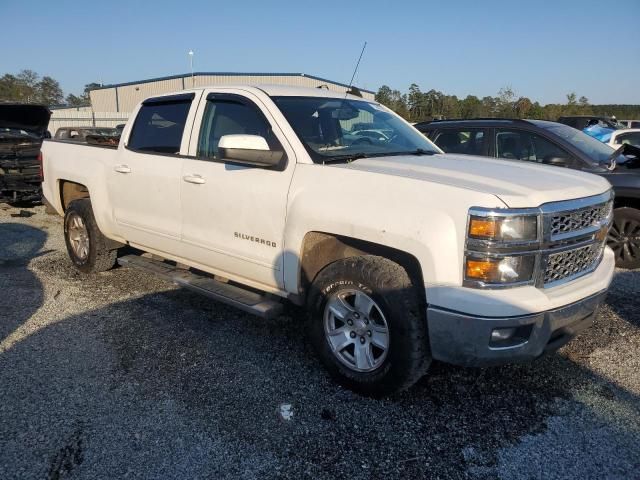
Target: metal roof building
[(123, 97)]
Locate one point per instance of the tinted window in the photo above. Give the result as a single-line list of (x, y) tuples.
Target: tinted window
[(159, 127), (466, 141), (521, 145), (633, 138), (593, 149), (222, 117)]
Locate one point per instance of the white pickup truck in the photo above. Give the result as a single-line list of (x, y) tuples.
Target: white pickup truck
[(401, 254)]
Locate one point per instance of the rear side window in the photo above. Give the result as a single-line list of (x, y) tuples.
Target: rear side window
[(469, 141), (159, 127), (521, 145)]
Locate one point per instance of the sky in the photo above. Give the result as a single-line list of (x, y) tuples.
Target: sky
[(541, 49)]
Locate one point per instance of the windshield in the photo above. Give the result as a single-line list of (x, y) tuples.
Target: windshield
[(335, 128), (595, 150)]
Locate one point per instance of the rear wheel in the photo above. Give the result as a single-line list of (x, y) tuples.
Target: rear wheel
[(368, 325), (624, 237), (89, 250)]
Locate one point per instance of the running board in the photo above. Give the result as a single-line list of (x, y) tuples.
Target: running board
[(238, 297)]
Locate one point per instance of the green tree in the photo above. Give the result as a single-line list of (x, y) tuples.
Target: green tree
[(384, 95), (505, 102), (522, 107), (471, 107), (48, 92), (75, 101)]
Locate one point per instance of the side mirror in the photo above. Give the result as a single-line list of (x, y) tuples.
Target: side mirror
[(249, 150), (557, 161)]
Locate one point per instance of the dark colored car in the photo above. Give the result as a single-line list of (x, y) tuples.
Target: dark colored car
[(555, 144), (22, 128)]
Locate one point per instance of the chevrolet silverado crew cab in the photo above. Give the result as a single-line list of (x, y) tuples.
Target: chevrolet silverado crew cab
[(401, 254)]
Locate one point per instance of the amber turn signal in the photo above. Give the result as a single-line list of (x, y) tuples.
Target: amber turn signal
[(485, 270), (483, 227)]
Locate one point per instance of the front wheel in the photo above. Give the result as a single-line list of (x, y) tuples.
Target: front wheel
[(368, 325), (624, 237)]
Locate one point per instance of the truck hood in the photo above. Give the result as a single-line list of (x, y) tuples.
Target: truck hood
[(518, 184), (30, 118)]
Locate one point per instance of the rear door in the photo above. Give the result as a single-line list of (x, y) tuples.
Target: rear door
[(145, 179), (233, 215)]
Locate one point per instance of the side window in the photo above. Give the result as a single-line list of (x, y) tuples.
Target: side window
[(159, 127), (229, 117), (544, 150), (467, 141), (521, 145), (514, 145), (632, 138)]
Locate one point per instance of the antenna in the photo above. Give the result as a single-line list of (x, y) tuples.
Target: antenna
[(355, 70)]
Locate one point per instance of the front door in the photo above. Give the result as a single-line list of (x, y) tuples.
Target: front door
[(233, 216)]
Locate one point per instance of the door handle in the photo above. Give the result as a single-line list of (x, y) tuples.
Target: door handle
[(122, 169), (197, 179)]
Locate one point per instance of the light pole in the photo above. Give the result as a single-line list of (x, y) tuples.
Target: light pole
[(191, 64)]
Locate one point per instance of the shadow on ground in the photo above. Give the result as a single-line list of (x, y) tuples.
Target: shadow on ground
[(19, 244)]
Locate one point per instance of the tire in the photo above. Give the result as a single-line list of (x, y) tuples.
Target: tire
[(624, 237), (96, 255), (398, 304)]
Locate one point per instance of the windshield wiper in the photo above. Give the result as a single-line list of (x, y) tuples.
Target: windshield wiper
[(345, 158), (422, 151), (417, 151)]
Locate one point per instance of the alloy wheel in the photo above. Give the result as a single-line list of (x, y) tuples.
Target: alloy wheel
[(356, 330)]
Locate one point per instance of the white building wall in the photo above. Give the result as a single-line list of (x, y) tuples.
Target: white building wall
[(124, 98)]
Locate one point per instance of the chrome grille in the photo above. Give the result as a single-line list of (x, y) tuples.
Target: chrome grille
[(569, 222), (572, 263)]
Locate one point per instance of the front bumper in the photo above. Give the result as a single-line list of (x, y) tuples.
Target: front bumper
[(466, 340)]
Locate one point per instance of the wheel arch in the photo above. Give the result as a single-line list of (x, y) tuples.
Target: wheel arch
[(320, 249), (626, 201), (69, 191)]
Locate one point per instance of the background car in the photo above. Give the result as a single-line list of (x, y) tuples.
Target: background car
[(621, 137), (630, 123), (556, 144)]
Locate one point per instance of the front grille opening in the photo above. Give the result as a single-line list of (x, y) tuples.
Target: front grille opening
[(568, 222), (572, 263)]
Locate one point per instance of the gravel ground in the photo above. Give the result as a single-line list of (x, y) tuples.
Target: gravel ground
[(120, 375)]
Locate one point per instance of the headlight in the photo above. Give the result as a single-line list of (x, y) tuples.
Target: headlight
[(493, 238), (520, 228), (499, 270)]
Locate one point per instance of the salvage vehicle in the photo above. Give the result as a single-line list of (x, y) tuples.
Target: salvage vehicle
[(400, 253), (22, 128), (552, 143)]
